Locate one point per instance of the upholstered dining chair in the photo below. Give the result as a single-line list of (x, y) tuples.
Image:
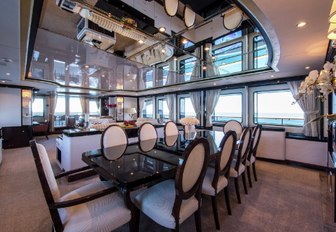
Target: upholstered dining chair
[(171, 202), (238, 164), (147, 132), (113, 135), (170, 129), (97, 206), (251, 158), (233, 125), (216, 179)]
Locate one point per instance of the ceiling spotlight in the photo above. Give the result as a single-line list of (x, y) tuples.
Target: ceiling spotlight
[(307, 67), (162, 29), (7, 74), (301, 24), (140, 41), (3, 81), (272, 75), (163, 50), (204, 67), (184, 41), (86, 66), (175, 59), (102, 75), (206, 48)]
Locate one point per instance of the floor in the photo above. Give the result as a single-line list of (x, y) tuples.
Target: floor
[(285, 198)]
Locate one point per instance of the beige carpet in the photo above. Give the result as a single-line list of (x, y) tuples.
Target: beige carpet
[(285, 198)]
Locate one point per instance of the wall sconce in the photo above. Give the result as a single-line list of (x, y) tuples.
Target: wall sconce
[(171, 7)]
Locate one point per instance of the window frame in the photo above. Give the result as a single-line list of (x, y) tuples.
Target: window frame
[(93, 100), (153, 104), (235, 92), (179, 97), (44, 106), (181, 58), (253, 36), (163, 99)]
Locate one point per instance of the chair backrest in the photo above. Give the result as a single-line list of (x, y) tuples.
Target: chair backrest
[(234, 126), (147, 145), (191, 171), (170, 129), (47, 180), (147, 131), (170, 140), (256, 134), (243, 147), (113, 135), (224, 158)]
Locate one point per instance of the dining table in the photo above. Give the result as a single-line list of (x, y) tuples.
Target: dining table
[(132, 167)]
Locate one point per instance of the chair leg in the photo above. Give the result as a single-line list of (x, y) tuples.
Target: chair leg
[(249, 176), (244, 182), (237, 189), (134, 223), (215, 211), (227, 200), (254, 171), (198, 220)]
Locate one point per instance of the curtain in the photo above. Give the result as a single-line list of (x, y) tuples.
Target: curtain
[(141, 76), (83, 105), (195, 101), (310, 107), (171, 79), (141, 106), (196, 74), (170, 99), (212, 70), (52, 108), (212, 97), (98, 103)]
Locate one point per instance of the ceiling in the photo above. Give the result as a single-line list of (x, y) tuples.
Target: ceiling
[(294, 48)]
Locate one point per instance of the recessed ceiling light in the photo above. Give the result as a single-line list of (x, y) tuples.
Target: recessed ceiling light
[(215, 83), (163, 50), (162, 29), (301, 24), (204, 67), (86, 66), (7, 74), (3, 81), (206, 48), (184, 41), (102, 75), (272, 75), (140, 41), (307, 67), (175, 58)]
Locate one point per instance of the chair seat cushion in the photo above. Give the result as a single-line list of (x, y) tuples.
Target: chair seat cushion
[(102, 214), (207, 187), (157, 203), (251, 161), (233, 171)]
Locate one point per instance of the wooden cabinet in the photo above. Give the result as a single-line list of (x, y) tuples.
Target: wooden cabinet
[(17, 136)]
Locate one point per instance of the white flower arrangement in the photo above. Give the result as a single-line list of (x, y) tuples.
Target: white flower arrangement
[(189, 121), (323, 81)]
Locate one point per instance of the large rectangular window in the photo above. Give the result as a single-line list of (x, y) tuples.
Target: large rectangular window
[(227, 38), (186, 67), (229, 107), (59, 71), (59, 118), (75, 107), (186, 108), (93, 108), (229, 58), (276, 108), (162, 76), (162, 108), (149, 79), (38, 106), (260, 53), (148, 109)]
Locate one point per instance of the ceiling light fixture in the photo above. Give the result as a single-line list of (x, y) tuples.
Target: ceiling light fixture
[(332, 16), (301, 24), (171, 7), (307, 67), (140, 41), (189, 16), (206, 48), (86, 66), (233, 18), (184, 41), (162, 29), (163, 50), (8, 74)]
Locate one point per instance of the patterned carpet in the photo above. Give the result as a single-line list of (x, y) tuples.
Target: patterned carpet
[(285, 198)]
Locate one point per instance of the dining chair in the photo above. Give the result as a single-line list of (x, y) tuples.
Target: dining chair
[(171, 202), (216, 179), (251, 158), (97, 206), (233, 125), (239, 161), (113, 135), (170, 129), (147, 132)]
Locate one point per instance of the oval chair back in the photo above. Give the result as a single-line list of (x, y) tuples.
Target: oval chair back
[(233, 125), (256, 134), (147, 132), (243, 147), (113, 135), (224, 159), (170, 129)]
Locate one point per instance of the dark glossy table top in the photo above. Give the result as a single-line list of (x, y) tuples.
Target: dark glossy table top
[(133, 165)]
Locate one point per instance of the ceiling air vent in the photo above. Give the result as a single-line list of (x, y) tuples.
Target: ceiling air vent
[(90, 33)]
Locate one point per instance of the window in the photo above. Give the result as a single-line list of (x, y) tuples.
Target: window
[(276, 108), (162, 108), (75, 107), (186, 108), (59, 71), (93, 108), (229, 58), (75, 75), (148, 109), (60, 112), (229, 107), (38, 106), (188, 44), (260, 53), (149, 79), (186, 67), (162, 75), (227, 38)]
